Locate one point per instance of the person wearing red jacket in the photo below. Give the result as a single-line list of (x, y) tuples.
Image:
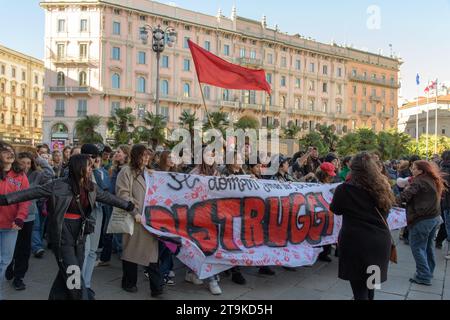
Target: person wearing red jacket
[(12, 179)]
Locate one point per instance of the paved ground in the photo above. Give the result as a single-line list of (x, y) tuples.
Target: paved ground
[(319, 282)]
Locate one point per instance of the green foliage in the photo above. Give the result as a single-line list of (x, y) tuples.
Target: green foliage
[(292, 131), (85, 129), (155, 133), (315, 139), (443, 144), (217, 120), (122, 124), (247, 122)]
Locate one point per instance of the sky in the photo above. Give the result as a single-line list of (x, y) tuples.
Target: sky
[(418, 30)]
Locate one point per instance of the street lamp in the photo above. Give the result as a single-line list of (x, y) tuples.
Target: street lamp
[(161, 38)]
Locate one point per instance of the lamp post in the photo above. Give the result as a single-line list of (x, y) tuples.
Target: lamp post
[(161, 38)]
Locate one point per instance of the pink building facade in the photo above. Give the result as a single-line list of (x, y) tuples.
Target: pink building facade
[(95, 63)]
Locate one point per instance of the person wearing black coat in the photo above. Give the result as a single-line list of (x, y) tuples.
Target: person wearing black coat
[(70, 202), (364, 240)]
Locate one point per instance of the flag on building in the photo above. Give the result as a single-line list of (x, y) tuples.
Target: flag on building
[(418, 79), (220, 73), (432, 86)]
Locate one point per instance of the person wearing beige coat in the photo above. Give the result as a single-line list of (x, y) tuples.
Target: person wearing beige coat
[(140, 248)]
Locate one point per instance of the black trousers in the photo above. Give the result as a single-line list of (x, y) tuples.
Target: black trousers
[(19, 265), (326, 251), (361, 291), (442, 234), (69, 283), (130, 275)]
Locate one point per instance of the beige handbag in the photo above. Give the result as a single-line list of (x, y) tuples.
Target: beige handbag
[(121, 221)]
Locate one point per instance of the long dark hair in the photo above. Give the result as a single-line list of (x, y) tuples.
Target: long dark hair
[(78, 178), (432, 171), (163, 159), (137, 152), (16, 167), (366, 174), (206, 169)]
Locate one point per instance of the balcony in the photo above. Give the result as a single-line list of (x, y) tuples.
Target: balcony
[(315, 113), (376, 99), (190, 100), (274, 109), (168, 98), (384, 115), (379, 82), (250, 62), (74, 61), (228, 104), (342, 116), (249, 106), (69, 90), (366, 113)]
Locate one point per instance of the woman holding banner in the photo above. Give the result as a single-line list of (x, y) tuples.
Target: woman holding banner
[(140, 248), (208, 167), (364, 246)]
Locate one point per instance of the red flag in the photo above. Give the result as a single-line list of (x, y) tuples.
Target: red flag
[(220, 73)]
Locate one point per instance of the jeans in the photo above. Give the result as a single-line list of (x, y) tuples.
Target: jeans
[(19, 265), (7, 244), (107, 239), (421, 240), (38, 233), (91, 247), (165, 260), (446, 214), (69, 256)]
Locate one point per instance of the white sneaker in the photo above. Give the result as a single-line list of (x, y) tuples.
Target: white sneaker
[(447, 257), (171, 274), (214, 288), (192, 278)]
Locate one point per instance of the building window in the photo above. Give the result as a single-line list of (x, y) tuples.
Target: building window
[(325, 107), (116, 81), (354, 106), (311, 67), (297, 83), (141, 85), (115, 105), (23, 76), (269, 78), (392, 111), (36, 79), (242, 53), (325, 87), (270, 58), (165, 87), (61, 25), (141, 57), (354, 73), (297, 103), (207, 92), (13, 90), (13, 72), (283, 101), (60, 108), (165, 113), (311, 104), (325, 70), (364, 91), (3, 69), (373, 125), (298, 64), (187, 90), (311, 85), (186, 43), (13, 120), (116, 28), (187, 65), (226, 95), (339, 72), (354, 90), (165, 61), (83, 25), (82, 79), (283, 62), (23, 92), (207, 45), (374, 108), (141, 110), (61, 51), (36, 123), (443, 131), (253, 54), (83, 51), (82, 108), (61, 79), (226, 50), (283, 81), (116, 53), (339, 108), (339, 88), (2, 88)]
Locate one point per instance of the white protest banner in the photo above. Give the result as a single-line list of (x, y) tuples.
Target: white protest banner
[(222, 222)]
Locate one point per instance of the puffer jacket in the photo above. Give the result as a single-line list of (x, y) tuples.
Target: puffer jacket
[(445, 170)]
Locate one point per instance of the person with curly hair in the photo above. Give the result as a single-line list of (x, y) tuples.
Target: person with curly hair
[(364, 201)]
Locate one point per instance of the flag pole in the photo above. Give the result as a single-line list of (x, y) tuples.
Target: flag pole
[(417, 119), (436, 120), (428, 119), (204, 103)]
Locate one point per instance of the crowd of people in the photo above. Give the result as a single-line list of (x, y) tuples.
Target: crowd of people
[(62, 201)]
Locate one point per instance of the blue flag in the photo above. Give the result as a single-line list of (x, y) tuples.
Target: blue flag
[(418, 79)]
